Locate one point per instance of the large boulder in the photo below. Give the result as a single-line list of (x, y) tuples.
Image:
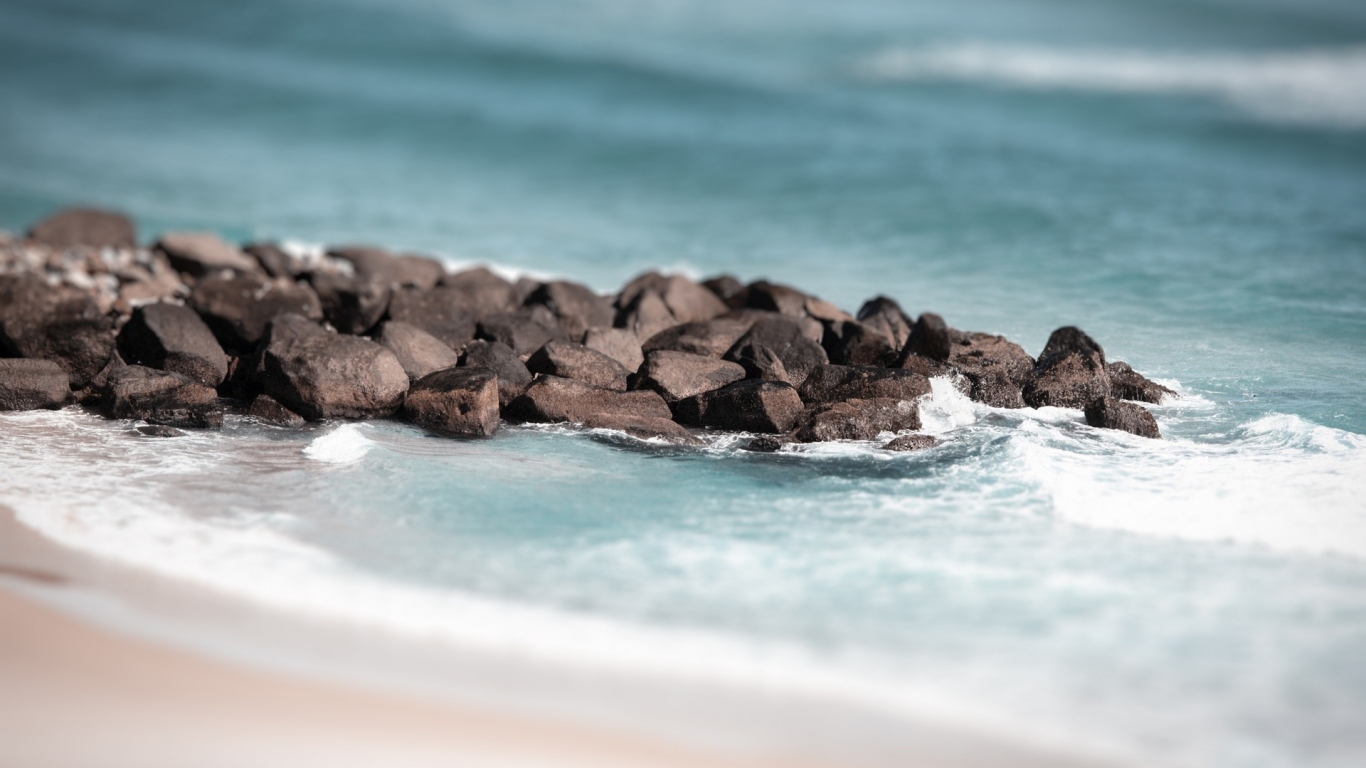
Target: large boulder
[(73, 227), (996, 368), (856, 420), (574, 305), (445, 312), (355, 303), (481, 292), (785, 339), (403, 271), (419, 352), (1071, 372), (680, 375), (27, 385), (461, 402), (852, 342), (836, 383), (773, 297), (513, 377), (1128, 384), (1109, 413), (173, 338), (575, 361), (646, 315), (238, 308), (750, 406), (160, 397), (525, 331), (203, 253), (725, 287), (554, 399), (713, 337), (617, 343), (930, 338), (883, 315), (684, 300), (322, 375), (60, 324)]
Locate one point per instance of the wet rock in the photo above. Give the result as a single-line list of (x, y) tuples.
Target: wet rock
[(836, 383), (617, 343), (419, 352), (799, 354), (238, 309), (267, 409), (27, 385), (554, 399), (750, 406), (203, 253), (911, 443), (158, 430), (1109, 413), (322, 375), (575, 306), (461, 402), (825, 312), (679, 375), (930, 338), (851, 342), (513, 377), (446, 312), (642, 427), (1128, 384), (646, 315), (996, 368), (401, 271), (1070, 373), (1070, 340), (60, 324), (353, 303), (764, 444), (712, 338), (525, 331), (160, 397), (173, 338), (575, 361), (856, 419), (85, 226), (883, 315), (725, 287), (482, 293)]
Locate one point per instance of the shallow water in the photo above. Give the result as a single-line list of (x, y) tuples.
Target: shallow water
[(1183, 179)]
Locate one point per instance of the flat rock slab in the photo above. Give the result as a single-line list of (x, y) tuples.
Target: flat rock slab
[(1109, 413), (856, 420), (554, 399), (575, 361), (203, 253), (619, 344), (173, 338), (85, 226), (712, 338), (458, 402), (835, 383), (28, 384), (160, 397), (746, 406)]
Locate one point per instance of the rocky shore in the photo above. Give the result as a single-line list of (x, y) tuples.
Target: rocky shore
[(182, 332)]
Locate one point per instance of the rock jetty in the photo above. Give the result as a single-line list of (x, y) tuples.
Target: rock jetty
[(192, 327)]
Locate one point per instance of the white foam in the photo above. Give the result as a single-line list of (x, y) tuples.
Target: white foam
[(1324, 86), (342, 445)]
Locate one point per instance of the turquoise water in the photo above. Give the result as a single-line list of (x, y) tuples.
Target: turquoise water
[(1185, 180)]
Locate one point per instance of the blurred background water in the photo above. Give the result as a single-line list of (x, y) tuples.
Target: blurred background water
[(1184, 179)]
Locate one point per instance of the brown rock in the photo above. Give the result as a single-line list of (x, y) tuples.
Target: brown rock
[(204, 253), (996, 368), (930, 338), (238, 309), (173, 338), (553, 399), (575, 306), (642, 427), (712, 338), (764, 444), (885, 316), (27, 385), (158, 430), (73, 227), (273, 260), (446, 312), (684, 300), (461, 402), (513, 377), (482, 293), (1070, 373), (322, 375), (1128, 384), (856, 420), (267, 409), (160, 397), (750, 406), (646, 315), (773, 297), (404, 271), (1109, 413), (60, 324), (800, 355), (617, 343), (679, 375), (765, 364), (525, 331), (911, 443), (575, 361), (725, 287), (354, 304), (851, 342), (836, 383), (419, 352)]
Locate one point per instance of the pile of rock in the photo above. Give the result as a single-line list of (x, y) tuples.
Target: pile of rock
[(178, 333)]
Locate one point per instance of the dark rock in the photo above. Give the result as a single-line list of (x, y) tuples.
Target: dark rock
[(617, 343), (996, 368), (238, 309), (553, 399), (750, 406), (513, 377), (646, 315), (204, 253), (1071, 340), (575, 305), (160, 397), (800, 355), (525, 331), (159, 430), (73, 227), (27, 385), (1128, 384), (684, 300), (773, 297), (642, 427), (457, 401), (763, 363), (825, 312), (764, 445), (930, 338), (273, 260), (267, 409), (885, 316), (173, 338), (712, 338), (1109, 413), (354, 303), (929, 368), (446, 312), (724, 286), (60, 324), (403, 271), (419, 352), (523, 288), (322, 375), (679, 375), (1070, 374), (856, 420), (851, 342), (481, 293), (575, 361), (835, 383), (911, 443)]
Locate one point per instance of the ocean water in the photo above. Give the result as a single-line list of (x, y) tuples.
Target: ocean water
[(1185, 180)]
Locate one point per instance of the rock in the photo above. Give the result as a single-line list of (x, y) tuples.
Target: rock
[(482, 293), (765, 364), (203, 253), (785, 339), (836, 383), (885, 316), (750, 406), (462, 402), (724, 286), (1070, 373), (646, 316), (764, 445), (932, 368), (159, 430), (404, 271), (642, 427), (27, 385), (1128, 384), (1109, 413), (911, 443), (273, 260), (825, 312), (679, 375), (684, 300), (996, 368), (173, 338), (773, 297), (930, 338), (73, 227), (712, 338), (851, 342), (525, 331), (856, 419), (575, 361), (513, 377), (419, 352), (574, 305), (446, 312), (322, 375), (60, 324), (354, 304), (554, 399), (617, 343), (160, 397), (238, 309), (267, 409)]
